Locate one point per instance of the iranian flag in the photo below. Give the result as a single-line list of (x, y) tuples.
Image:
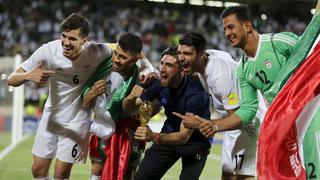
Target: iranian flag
[(289, 140)]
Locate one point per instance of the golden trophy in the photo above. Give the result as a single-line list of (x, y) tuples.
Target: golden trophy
[(145, 113)]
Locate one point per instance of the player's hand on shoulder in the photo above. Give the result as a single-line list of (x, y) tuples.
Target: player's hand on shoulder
[(148, 78), (39, 75)]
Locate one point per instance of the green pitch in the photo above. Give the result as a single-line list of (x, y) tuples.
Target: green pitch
[(17, 165), (5, 139)]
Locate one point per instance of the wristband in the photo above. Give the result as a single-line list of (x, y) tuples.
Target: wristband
[(156, 138)]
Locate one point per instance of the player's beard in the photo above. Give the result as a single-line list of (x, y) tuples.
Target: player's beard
[(170, 80)]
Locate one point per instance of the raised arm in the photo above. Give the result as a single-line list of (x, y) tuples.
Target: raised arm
[(38, 75), (132, 102)]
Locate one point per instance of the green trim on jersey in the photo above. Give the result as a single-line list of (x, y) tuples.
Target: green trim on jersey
[(115, 104), (311, 148), (261, 71)]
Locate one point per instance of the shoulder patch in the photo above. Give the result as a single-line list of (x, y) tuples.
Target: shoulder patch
[(233, 98)]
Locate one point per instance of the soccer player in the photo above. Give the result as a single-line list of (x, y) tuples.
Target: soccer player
[(217, 70), (64, 64), (175, 92), (265, 55), (64, 128), (118, 72)]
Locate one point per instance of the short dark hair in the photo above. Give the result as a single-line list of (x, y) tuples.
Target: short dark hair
[(242, 12), (130, 43), (195, 40), (172, 51), (76, 21)]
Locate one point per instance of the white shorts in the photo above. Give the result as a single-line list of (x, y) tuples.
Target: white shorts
[(67, 142), (239, 151)]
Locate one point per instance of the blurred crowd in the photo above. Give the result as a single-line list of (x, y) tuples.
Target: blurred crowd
[(25, 25)]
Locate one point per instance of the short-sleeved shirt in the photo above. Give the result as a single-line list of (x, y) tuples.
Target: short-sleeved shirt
[(65, 86), (188, 97), (259, 72), (221, 79)]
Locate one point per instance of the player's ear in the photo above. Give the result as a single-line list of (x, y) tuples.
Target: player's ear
[(248, 25), (203, 55)]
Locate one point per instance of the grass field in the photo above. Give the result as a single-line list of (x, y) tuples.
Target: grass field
[(5, 139), (16, 165)]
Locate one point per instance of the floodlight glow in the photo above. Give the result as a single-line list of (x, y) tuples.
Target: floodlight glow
[(196, 2), (264, 17), (3, 76), (176, 1), (157, 0), (228, 4), (214, 3)]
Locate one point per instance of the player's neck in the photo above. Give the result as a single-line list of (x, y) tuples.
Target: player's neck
[(202, 64), (252, 43), (127, 73)]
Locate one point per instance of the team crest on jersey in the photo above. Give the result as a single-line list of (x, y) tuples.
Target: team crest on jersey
[(268, 63), (233, 98)]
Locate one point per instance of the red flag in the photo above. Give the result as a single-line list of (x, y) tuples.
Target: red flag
[(278, 150)]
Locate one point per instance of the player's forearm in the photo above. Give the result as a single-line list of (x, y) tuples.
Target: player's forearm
[(231, 122), (130, 104), (18, 78), (173, 138), (89, 99)]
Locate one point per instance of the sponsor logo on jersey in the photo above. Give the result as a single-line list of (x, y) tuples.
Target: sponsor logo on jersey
[(268, 63), (233, 98)]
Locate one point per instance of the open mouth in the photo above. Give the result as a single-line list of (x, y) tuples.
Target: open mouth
[(164, 77), (67, 49)]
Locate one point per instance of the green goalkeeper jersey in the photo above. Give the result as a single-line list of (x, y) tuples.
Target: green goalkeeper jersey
[(259, 72)]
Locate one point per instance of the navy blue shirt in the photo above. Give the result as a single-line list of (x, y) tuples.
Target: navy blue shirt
[(188, 97)]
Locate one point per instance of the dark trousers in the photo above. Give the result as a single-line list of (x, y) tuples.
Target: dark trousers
[(159, 158)]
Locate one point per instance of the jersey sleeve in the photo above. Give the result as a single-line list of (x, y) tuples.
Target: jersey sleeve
[(145, 67), (285, 42), (248, 100), (225, 85), (106, 50), (39, 55)]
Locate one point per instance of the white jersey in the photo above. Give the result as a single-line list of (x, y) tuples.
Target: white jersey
[(222, 84), (103, 125), (221, 81), (65, 86)]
